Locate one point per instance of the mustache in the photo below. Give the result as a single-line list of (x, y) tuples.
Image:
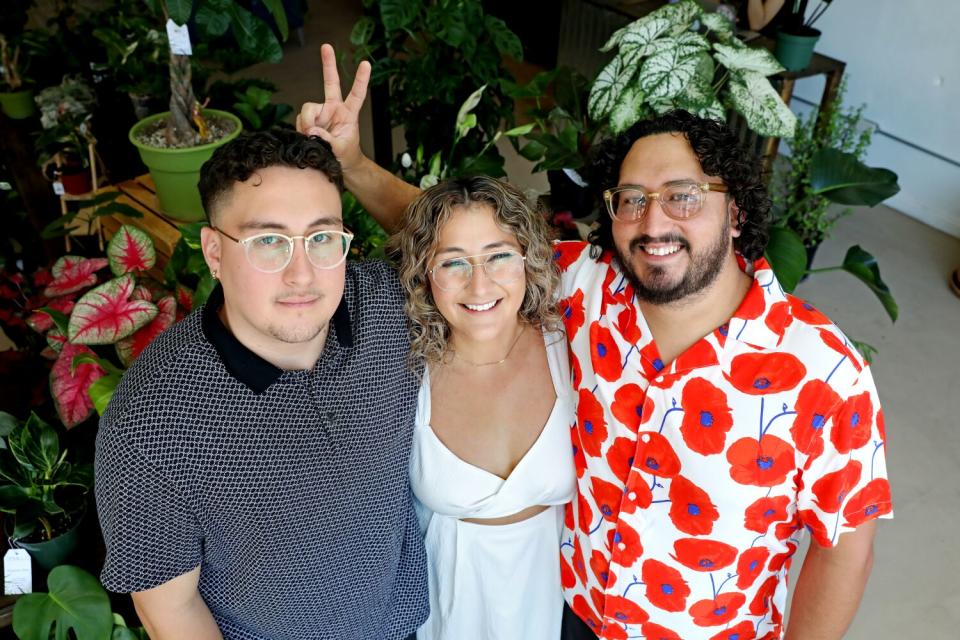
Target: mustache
[(673, 238)]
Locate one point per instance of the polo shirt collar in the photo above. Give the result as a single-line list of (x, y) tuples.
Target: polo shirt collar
[(242, 363)]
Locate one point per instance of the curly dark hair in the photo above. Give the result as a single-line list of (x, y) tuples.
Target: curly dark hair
[(720, 154), (240, 158)]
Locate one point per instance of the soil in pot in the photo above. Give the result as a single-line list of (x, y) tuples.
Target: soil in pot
[(155, 134)]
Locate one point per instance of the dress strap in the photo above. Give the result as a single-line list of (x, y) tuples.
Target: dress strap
[(558, 361)]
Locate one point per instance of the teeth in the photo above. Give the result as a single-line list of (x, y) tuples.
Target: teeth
[(480, 307), (662, 251)]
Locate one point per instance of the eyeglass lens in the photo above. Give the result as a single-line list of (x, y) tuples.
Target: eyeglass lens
[(680, 201), (501, 267), (272, 252)]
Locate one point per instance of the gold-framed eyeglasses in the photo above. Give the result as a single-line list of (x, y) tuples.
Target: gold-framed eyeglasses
[(454, 274), (680, 200), (272, 252)]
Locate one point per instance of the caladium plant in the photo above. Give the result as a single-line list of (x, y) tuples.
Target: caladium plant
[(682, 57), (81, 314)]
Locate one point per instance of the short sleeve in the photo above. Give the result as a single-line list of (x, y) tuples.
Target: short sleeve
[(150, 534), (846, 485)]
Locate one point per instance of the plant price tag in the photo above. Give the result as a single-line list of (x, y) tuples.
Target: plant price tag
[(17, 572), (179, 37), (58, 188)]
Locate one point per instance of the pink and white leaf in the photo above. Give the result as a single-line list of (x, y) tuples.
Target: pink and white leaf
[(56, 339), (107, 313), (141, 292), (70, 385), (73, 273), (129, 349), (130, 250), (184, 298)]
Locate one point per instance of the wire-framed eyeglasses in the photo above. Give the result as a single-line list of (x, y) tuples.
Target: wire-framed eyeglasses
[(454, 274), (272, 252), (680, 200)]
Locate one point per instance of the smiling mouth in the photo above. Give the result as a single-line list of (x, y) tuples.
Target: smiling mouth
[(486, 306), (661, 250)]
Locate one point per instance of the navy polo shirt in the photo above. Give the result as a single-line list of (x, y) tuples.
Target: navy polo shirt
[(288, 488)]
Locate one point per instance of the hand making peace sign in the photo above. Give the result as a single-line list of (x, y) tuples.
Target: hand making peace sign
[(337, 120)]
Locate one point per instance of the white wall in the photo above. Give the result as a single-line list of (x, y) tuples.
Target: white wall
[(903, 61)]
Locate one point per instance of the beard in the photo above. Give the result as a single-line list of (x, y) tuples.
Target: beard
[(657, 287)]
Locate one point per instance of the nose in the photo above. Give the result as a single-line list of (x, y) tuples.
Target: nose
[(300, 271), (655, 221), (479, 281)]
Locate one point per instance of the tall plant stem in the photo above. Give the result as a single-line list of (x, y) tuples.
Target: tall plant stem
[(182, 100)]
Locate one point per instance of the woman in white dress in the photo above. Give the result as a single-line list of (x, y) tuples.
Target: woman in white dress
[(491, 461)]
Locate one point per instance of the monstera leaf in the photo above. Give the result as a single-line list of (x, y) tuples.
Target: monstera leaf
[(73, 273), (864, 267), (70, 384), (130, 250), (75, 601), (788, 257), (108, 313), (129, 348)]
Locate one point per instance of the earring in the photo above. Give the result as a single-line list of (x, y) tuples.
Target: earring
[(214, 274)]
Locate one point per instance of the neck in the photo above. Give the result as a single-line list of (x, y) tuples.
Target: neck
[(482, 351), (678, 325)]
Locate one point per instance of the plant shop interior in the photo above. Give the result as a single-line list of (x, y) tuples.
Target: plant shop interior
[(108, 108)]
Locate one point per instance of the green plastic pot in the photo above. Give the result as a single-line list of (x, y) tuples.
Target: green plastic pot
[(175, 172), (795, 51), (54, 552), (18, 105)]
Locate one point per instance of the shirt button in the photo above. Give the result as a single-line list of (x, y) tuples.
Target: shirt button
[(622, 546), (632, 495)]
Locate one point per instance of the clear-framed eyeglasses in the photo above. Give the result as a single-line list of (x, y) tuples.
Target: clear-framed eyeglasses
[(454, 274), (680, 200), (272, 252)]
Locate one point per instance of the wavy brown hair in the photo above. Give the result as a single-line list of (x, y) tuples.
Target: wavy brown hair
[(416, 243)]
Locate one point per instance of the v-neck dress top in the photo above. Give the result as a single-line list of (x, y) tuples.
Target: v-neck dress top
[(496, 582)]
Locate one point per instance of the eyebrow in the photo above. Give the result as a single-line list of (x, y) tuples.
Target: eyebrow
[(485, 248), (267, 225)]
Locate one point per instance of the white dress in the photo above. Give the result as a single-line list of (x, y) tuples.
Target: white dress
[(496, 582)]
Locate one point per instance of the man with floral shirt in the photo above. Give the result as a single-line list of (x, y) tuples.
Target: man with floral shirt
[(718, 417)]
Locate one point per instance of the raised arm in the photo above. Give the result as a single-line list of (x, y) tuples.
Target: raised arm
[(761, 12), (336, 120), (175, 610)]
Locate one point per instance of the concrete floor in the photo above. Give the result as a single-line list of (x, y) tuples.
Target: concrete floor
[(913, 591)]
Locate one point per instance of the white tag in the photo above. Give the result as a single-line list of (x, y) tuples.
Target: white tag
[(179, 37), (5, 186), (58, 188), (17, 572)]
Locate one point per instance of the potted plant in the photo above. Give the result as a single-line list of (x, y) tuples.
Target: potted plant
[(431, 57), (45, 494), (97, 327), (560, 139), (65, 114), (825, 168), (137, 54), (16, 96), (175, 144), (796, 37), (682, 57)]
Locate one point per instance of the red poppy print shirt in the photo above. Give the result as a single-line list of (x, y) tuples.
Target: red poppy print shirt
[(697, 478)]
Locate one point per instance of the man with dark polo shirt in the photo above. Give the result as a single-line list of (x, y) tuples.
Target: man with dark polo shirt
[(251, 470)]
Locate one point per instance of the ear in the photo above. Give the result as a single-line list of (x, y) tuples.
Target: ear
[(210, 243), (736, 218)]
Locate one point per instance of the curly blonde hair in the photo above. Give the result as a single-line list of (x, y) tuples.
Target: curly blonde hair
[(416, 243)]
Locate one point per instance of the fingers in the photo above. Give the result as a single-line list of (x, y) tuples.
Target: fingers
[(331, 77), (358, 92), (309, 117)]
